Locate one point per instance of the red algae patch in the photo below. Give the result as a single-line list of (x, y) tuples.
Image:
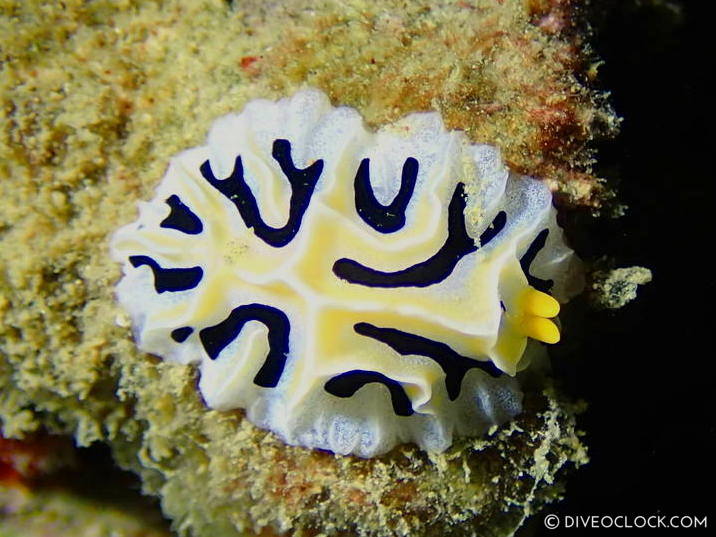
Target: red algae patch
[(22, 461), (507, 74)]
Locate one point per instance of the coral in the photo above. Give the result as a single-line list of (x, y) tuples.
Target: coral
[(615, 288), (94, 100)]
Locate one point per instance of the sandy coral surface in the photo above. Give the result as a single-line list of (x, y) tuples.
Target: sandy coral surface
[(95, 97)]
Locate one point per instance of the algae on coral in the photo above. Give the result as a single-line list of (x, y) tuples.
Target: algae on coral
[(96, 97)]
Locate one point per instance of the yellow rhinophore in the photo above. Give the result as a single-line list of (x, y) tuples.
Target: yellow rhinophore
[(528, 314), (538, 303), (538, 308)]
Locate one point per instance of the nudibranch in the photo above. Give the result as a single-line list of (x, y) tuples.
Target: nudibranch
[(349, 289)]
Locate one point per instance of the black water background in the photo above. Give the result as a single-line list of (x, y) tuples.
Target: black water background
[(647, 370)]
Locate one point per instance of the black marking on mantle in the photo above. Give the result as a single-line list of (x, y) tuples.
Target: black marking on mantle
[(216, 338), (454, 365), (180, 335), (529, 256), (181, 217), (348, 383), (384, 218), (435, 269), (169, 279), (302, 181)]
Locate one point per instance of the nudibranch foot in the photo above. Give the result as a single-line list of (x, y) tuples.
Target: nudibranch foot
[(351, 290)]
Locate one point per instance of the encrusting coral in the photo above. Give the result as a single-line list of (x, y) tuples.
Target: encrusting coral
[(96, 98), (615, 288)]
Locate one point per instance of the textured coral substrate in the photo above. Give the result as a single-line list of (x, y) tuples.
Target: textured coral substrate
[(95, 99)]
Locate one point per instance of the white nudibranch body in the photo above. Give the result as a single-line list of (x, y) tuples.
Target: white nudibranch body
[(349, 289)]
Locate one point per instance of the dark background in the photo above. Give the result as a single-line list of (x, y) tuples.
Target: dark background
[(647, 370)]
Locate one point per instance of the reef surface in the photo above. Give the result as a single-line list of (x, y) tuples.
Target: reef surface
[(95, 99)]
